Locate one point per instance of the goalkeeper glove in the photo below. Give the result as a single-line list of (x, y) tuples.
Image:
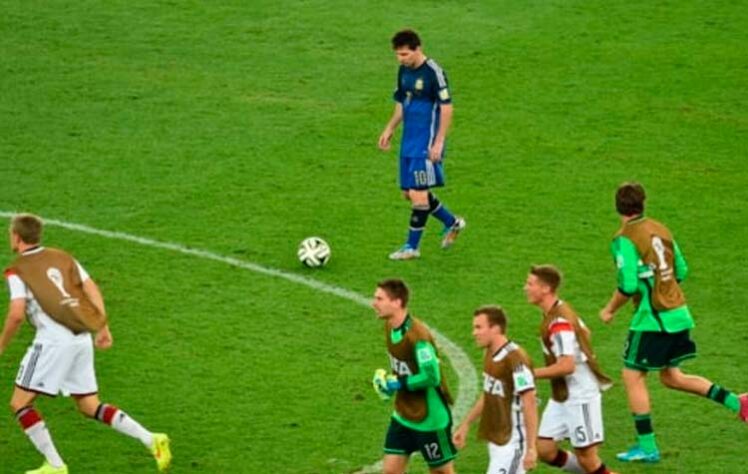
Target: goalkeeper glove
[(385, 384)]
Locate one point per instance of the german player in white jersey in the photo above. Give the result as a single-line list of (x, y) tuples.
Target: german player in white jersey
[(506, 408), (66, 308), (574, 411)]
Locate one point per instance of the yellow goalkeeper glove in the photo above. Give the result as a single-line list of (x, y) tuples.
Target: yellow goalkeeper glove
[(385, 384)]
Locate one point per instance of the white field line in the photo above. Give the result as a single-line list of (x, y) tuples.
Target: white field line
[(468, 381)]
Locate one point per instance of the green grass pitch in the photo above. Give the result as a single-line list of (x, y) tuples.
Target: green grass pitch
[(240, 128)]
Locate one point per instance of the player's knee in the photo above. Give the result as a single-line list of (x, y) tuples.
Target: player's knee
[(16, 403), (14, 406), (633, 378), (419, 198), (670, 379), (88, 405), (546, 450), (85, 410)]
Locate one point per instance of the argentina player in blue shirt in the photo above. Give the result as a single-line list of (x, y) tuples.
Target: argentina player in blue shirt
[(424, 105)]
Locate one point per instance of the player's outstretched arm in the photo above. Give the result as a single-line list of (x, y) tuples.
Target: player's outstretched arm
[(13, 321)]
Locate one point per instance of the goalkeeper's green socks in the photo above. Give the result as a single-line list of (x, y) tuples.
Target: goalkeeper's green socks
[(724, 397)]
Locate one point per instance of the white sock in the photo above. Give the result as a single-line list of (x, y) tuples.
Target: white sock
[(42, 441), (121, 421), (572, 464), (126, 425)]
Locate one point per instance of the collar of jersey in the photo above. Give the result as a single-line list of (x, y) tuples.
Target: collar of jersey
[(396, 334), (33, 250), (498, 352), (636, 219)]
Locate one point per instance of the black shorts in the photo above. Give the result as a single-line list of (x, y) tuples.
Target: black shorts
[(435, 446), (646, 351)]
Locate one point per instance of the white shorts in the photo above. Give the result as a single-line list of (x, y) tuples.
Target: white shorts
[(506, 459), (52, 367), (579, 422)]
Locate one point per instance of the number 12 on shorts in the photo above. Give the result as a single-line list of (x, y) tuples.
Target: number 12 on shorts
[(432, 451)]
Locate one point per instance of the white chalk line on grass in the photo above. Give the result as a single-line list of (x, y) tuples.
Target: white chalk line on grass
[(468, 381)]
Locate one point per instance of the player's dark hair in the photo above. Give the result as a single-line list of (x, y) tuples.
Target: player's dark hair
[(495, 316), (396, 289), (630, 199), (548, 274), (407, 38), (28, 227)]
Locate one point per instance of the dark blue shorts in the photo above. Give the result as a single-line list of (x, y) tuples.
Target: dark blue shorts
[(420, 173)]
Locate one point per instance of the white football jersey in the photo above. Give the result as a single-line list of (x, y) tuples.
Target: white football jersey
[(582, 383)]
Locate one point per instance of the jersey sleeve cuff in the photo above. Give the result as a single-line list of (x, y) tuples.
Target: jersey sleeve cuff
[(626, 293)]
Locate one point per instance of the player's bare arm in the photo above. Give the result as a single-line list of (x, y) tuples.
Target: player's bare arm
[(530, 412), (103, 338), (616, 302), (460, 436), (445, 120), (385, 139), (13, 321), (91, 289), (563, 366)]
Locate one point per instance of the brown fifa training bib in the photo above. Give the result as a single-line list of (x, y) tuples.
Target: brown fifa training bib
[(53, 277)]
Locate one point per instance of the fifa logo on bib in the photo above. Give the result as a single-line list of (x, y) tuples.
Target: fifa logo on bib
[(399, 367), (55, 276), (492, 386)]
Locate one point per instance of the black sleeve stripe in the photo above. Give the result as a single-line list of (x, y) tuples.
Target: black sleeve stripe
[(626, 294)]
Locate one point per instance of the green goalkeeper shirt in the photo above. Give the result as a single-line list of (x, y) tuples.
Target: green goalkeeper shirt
[(428, 378), (637, 279)]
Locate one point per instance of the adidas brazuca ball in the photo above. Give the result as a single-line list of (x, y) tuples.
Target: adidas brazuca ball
[(314, 252)]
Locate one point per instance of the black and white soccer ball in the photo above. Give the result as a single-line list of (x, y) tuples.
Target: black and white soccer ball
[(314, 252)]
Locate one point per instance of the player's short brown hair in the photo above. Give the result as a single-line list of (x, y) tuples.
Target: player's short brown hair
[(547, 274), (630, 198), (494, 314), (28, 227), (406, 38), (396, 289)]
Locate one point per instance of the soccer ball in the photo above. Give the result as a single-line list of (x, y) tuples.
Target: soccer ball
[(314, 252)]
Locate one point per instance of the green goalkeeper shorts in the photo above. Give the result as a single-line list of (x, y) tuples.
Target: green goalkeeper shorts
[(435, 446), (649, 351)]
